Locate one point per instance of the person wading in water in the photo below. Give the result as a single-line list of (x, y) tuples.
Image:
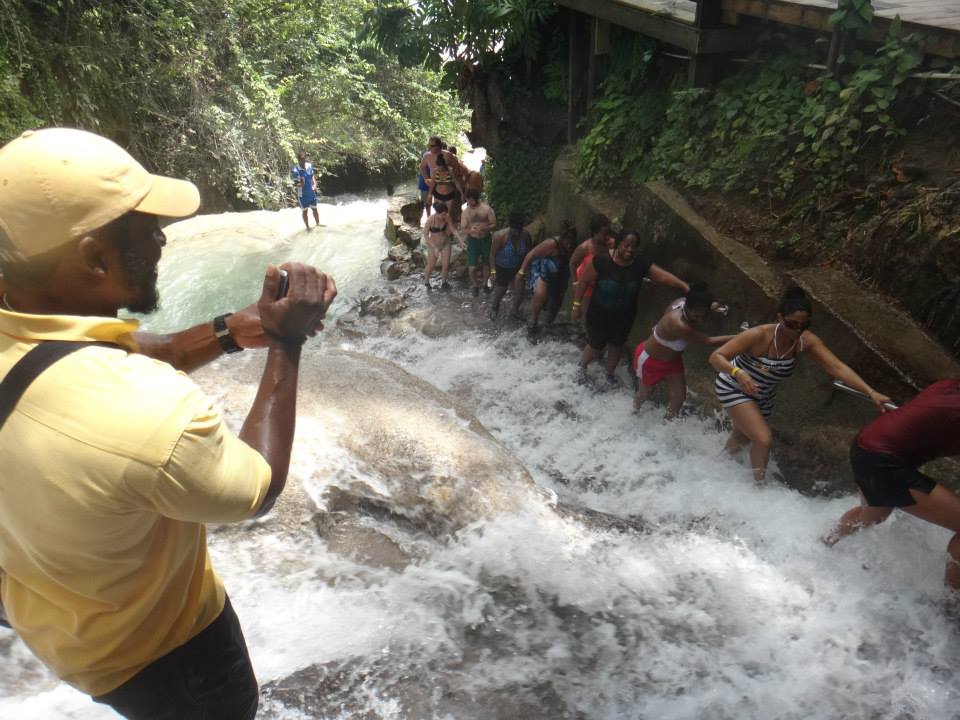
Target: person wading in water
[(619, 276), (886, 457), (660, 356), (509, 248), (438, 234), (756, 361), (478, 223), (547, 268), (599, 242), (305, 180)]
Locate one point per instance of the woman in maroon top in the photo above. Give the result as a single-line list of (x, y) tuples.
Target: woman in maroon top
[(886, 455)]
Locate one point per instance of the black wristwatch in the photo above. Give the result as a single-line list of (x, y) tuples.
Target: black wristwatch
[(223, 335)]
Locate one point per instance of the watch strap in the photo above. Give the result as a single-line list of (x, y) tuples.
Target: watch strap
[(223, 335)]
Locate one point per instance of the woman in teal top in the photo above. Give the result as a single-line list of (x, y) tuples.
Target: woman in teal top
[(618, 276)]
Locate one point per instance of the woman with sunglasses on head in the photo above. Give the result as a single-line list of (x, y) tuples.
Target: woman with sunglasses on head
[(444, 184), (756, 361)]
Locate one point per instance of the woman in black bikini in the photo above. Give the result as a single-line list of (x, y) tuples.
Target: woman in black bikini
[(753, 364), (438, 234)]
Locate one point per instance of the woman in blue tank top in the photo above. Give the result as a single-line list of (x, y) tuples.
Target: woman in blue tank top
[(509, 248)]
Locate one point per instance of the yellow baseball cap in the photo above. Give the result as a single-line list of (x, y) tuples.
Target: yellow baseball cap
[(58, 184)]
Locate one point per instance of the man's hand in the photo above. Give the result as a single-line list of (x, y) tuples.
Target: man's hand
[(245, 328), (300, 313)]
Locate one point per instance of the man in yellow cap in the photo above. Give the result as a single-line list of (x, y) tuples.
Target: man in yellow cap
[(113, 460)]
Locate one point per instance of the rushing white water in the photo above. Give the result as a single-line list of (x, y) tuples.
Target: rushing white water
[(720, 604)]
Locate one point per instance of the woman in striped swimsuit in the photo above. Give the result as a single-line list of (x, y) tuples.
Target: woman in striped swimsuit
[(756, 361)]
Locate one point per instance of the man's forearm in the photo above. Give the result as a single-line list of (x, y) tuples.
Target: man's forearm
[(271, 422), (186, 350)]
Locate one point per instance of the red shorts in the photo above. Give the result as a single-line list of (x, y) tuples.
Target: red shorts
[(650, 372)]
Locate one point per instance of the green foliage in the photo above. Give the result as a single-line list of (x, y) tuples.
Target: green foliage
[(471, 32), (556, 75), (625, 118), (519, 179), (221, 91), (772, 129), (852, 14)]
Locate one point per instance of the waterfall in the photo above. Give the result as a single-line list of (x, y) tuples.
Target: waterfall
[(468, 535)]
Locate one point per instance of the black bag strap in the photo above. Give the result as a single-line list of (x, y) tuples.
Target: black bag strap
[(21, 375), (29, 368)]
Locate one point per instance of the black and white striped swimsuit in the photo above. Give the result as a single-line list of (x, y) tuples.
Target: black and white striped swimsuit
[(766, 372)]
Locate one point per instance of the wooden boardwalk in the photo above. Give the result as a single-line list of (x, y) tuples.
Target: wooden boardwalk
[(674, 21), (936, 14)]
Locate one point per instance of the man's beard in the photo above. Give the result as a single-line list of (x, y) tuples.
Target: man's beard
[(142, 280)]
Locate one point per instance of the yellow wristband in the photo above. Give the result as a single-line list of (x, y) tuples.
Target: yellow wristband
[(493, 272), (576, 303), (520, 273), (733, 373)]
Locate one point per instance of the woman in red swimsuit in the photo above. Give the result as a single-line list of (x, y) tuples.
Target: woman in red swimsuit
[(599, 241), (659, 358)]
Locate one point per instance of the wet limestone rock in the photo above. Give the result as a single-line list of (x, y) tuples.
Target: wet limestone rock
[(369, 431), (403, 220), (399, 252), (381, 306), (392, 270), (411, 212)]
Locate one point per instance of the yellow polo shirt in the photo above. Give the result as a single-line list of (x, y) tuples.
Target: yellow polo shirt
[(111, 464)]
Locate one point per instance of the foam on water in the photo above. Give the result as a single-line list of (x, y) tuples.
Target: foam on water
[(724, 606)]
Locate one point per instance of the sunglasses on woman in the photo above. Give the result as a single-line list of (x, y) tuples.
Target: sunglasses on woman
[(796, 325)]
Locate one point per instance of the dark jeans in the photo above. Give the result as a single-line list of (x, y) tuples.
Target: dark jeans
[(208, 678)]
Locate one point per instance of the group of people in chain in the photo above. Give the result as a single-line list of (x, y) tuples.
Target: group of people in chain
[(608, 270), (113, 460)]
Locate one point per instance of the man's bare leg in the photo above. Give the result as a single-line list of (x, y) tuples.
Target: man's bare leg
[(856, 519)]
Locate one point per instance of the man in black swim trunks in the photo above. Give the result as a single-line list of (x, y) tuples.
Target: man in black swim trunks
[(886, 456)]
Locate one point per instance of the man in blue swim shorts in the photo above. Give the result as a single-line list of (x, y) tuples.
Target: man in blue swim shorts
[(306, 182)]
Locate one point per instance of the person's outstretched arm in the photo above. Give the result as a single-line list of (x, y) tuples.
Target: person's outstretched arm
[(663, 277), (839, 370), (287, 322), (190, 349)]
